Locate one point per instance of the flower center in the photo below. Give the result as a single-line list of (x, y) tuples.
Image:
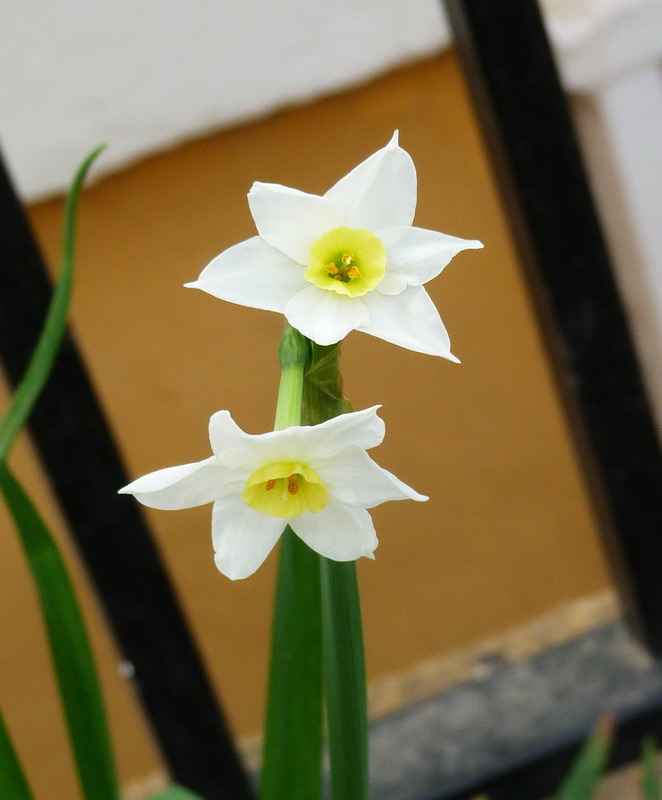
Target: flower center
[(285, 489), (349, 261)]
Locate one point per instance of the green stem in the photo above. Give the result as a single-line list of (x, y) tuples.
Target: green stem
[(342, 634), (291, 759), (310, 629), (344, 681), (293, 357)]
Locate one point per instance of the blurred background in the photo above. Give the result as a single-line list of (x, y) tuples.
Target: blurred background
[(196, 101)]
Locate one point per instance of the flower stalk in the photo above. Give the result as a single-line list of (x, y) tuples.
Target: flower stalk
[(344, 681), (317, 644), (293, 357), (292, 750), (342, 633)]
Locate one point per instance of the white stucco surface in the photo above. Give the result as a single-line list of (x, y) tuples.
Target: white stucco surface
[(145, 75)]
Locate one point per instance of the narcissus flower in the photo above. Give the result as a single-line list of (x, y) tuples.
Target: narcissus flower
[(348, 260), (317, 479)]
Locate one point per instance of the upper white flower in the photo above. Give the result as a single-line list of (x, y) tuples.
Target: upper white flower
[(348, 260), (317, 479)]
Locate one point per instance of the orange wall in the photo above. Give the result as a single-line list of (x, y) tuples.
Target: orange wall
[(508, 532)]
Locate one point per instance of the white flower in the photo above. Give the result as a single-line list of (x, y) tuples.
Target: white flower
[(317, 479), (348, 260)]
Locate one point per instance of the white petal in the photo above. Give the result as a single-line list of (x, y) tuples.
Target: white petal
[(324, 316), (252, 273), (184, 486), (244, 453), (380, 192), (353, 478), (360, 429), (242, 537), (418, 254), (291, 220), (393, 283), (337, 532), (232, 447), (408, 319)]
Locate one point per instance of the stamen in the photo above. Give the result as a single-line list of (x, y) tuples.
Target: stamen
[(348, 261), (292, 484), (269, 485)]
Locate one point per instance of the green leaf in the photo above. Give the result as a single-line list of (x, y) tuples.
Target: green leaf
[(651, 787), (176, 793), (582, 780), (69, 645), (344, 678), (13, 783), (47, 347), (292, 753)]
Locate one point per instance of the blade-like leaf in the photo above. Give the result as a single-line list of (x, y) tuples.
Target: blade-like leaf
[(651, 786), (69, 645), (582, 780), (13, 783), (176, 793), (344, 681), (46, 349)]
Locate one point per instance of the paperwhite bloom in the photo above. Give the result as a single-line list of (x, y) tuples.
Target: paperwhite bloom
[(348, 260), (317, 479)]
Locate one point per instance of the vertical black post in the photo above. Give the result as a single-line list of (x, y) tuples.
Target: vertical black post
[(85, 470), (528, 131)]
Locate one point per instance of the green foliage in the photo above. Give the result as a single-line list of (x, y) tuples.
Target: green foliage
[(344, 681), (69, 645), (342, 634), (651, 787), (176, 793), (13, 783), (55, 323), (292, 755), (292, 751), (585, 773)]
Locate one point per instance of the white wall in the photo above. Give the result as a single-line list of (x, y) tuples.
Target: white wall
[(145, 75)]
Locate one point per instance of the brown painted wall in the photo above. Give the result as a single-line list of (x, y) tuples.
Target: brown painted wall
[(508, 531)]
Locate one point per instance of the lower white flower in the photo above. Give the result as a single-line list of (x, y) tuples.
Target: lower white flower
[(317, 479), (349, 260)]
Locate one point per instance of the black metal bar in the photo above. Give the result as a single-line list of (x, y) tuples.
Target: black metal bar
[(528, 131), (85, 469)]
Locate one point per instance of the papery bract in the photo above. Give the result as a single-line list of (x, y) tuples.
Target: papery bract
[(318, 479), (348, 260)]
